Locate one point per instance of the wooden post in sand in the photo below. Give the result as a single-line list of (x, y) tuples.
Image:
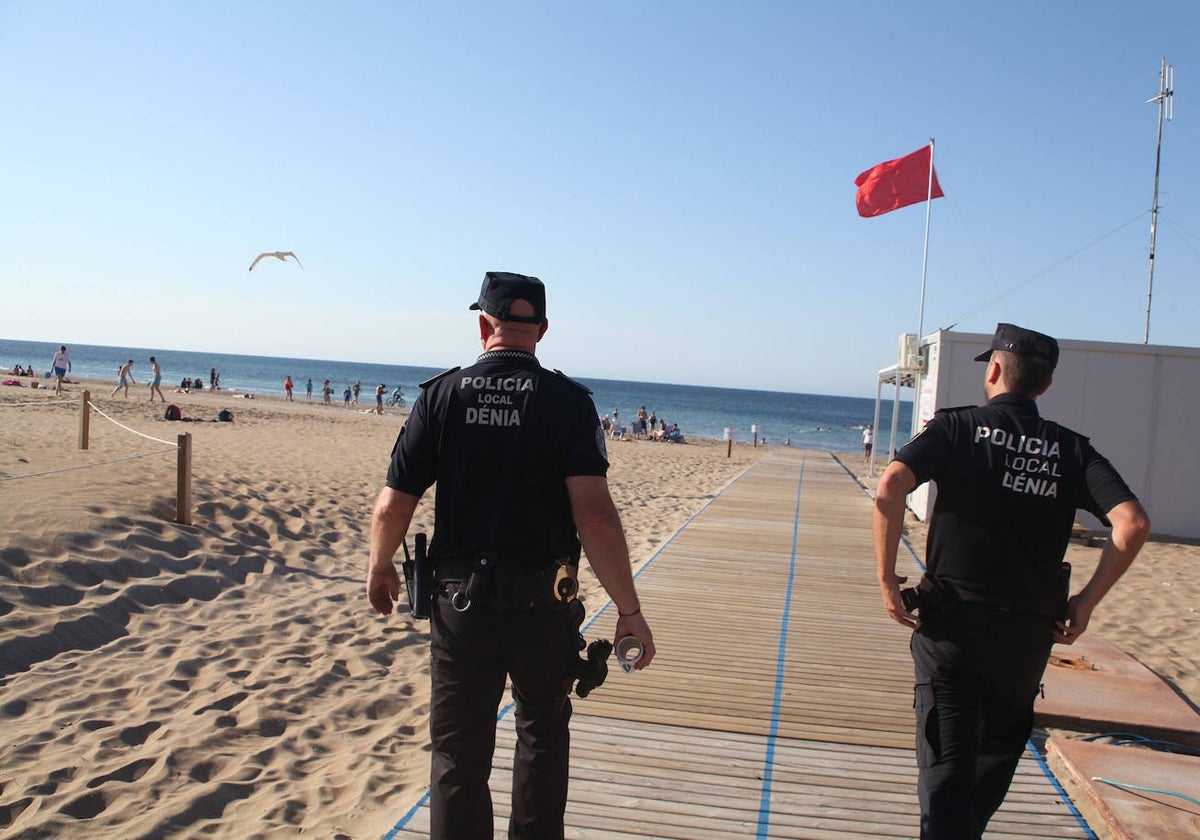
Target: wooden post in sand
[(183, 480), (730, 434), (85, 419)]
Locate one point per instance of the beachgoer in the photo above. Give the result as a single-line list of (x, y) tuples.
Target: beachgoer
[(520, 468), (61, 365), (346, 394), (124, 378), (213, 379), (308, 389), (287, 388), (995, 597), (357, 388), (379, 391), (326, 392), (868, 440), (156, 372)]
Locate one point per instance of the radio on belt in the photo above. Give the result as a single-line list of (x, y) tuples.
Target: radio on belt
[(629, 652)]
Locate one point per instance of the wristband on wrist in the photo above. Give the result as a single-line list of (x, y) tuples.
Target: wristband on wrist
[(629, 614)]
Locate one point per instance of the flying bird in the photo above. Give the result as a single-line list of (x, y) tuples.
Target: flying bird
[(279, 255)]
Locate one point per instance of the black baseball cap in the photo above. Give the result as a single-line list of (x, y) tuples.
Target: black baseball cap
[(1023, 342), (501, 288)]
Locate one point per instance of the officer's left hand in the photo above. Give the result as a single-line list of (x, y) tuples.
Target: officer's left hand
[(1078, 614), (635, 625), (383, 588)]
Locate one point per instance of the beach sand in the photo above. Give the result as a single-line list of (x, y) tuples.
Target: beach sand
[(227, 679)]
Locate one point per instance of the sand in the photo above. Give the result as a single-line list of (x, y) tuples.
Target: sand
[(227, 679)]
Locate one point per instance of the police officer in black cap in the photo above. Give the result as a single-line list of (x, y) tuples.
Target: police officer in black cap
[(994, 599), (520, 465)]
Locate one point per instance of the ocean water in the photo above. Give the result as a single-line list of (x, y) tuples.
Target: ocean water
[(812, 421)]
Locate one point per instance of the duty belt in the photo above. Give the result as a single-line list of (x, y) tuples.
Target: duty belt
[(496, 579)]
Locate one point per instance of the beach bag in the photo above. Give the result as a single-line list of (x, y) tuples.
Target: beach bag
[(225, 415), (173, 412)]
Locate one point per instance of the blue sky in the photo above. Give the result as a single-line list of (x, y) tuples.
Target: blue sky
[(679, 174)]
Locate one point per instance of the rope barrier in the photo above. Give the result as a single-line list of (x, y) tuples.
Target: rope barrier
[(96, 409), (89, 466)]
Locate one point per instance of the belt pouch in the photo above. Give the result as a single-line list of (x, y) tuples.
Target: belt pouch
[(479, 586)]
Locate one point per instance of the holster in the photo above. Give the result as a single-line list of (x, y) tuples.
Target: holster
[(930, 596), (418, 578), (1063, 591)]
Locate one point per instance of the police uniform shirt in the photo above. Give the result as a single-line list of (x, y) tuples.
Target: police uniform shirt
[(1008, 486), (500, 438)]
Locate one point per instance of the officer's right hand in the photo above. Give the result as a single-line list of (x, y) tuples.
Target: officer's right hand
[(894, 604), (383, 587), (635, 625)]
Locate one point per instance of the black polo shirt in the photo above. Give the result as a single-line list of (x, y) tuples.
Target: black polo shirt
[(500, 439), (1008, 485)]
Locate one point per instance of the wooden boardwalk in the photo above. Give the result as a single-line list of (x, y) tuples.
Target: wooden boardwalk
[(780, 702)]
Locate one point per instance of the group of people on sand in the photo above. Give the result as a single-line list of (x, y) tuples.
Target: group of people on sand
[(644, 427), (125, 379)]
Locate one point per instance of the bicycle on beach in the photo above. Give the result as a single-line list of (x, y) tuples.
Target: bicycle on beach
[(396, 400)]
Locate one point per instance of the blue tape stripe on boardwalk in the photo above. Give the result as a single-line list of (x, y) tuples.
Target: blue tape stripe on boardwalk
[(1062, 794), (411, 812), (764, 804)]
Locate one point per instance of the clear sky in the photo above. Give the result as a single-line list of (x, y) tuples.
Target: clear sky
[(680, 174)]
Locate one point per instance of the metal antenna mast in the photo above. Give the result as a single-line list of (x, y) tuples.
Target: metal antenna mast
[(1166, 106)]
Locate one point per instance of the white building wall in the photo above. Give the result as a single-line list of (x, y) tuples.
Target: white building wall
[(1138, 404)]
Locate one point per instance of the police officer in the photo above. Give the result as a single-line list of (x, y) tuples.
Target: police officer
[(520, 465), (994, 599)]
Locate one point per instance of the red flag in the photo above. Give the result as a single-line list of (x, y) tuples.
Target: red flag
[(896, 183)]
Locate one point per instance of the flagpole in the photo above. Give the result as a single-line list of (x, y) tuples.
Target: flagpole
[(925, 258)]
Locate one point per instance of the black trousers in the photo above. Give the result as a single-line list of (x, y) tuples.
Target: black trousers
[(977, 673), (471, 653)]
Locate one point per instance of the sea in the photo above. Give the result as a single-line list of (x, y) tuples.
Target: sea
[(809, 421)]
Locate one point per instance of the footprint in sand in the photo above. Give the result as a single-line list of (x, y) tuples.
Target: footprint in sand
[(135, 736)]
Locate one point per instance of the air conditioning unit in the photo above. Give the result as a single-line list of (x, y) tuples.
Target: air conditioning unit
[(910, 358)]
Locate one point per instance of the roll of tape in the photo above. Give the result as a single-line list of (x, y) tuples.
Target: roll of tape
[(629, 652)]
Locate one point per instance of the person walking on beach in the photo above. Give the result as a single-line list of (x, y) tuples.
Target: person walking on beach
[(357, 389), (156, 381), (213, 379), (61, 365), (346, 396), (287, 388), (995, 597), (868, 440), (520, 467), (124, 377), (379, 391), (326, 392), (308, 388)]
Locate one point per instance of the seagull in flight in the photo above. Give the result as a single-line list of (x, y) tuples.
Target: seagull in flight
[(279, 255)]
